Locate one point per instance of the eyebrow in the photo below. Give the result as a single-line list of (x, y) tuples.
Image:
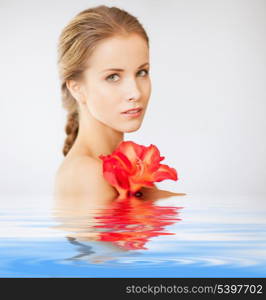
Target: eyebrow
[(121, 70)]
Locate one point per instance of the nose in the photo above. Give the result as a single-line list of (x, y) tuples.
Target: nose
[(133, 91)]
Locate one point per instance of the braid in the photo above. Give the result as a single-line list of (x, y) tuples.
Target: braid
[(71, 130), (77, 41)]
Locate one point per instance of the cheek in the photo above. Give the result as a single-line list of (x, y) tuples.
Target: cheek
[(104, 105), (149, 89)]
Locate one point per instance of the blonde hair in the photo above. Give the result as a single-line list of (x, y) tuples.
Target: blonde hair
[(77, 42)]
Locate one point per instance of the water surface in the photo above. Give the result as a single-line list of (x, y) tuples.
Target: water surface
[(188, 236)]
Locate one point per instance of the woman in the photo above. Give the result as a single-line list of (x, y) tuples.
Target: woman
[(104, 71)]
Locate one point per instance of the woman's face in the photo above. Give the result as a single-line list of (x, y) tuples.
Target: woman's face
[(111, 92)]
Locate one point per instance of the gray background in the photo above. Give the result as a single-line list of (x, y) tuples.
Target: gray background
[(206, 112)]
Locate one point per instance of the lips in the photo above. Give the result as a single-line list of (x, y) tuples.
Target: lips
[(137, 109)]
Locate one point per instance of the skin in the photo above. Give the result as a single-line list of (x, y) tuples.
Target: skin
[(101, 97)]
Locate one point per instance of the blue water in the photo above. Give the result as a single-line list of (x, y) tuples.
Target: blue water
[(181, 236)]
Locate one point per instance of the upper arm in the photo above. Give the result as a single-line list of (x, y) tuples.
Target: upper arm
[(86, 182)]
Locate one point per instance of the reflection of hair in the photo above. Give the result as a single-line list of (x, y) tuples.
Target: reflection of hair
[(77, 42)]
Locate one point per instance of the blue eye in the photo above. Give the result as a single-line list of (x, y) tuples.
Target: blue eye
[(110, 77)]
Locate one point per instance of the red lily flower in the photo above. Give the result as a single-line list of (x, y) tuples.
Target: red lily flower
[(132, 166)]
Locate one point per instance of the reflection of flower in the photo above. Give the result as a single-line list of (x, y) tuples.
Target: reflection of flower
[(132, 166), (132, 222)]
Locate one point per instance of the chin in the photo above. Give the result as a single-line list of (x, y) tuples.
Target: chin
[(132, 128)]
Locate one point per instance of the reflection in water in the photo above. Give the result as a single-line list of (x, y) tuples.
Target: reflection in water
[(219, 236), (83, 249), (132, 222), (103, 233)]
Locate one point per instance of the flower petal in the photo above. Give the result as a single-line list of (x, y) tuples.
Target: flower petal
[(114, 173), (151, 158), (165, 172), (125, 162), (131, 150)]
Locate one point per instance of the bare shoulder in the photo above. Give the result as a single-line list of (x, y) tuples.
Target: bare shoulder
[(82, 177)]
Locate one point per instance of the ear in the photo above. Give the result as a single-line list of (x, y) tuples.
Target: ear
[(76, 90)]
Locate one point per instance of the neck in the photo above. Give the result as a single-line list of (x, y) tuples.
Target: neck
[(95, 138)]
